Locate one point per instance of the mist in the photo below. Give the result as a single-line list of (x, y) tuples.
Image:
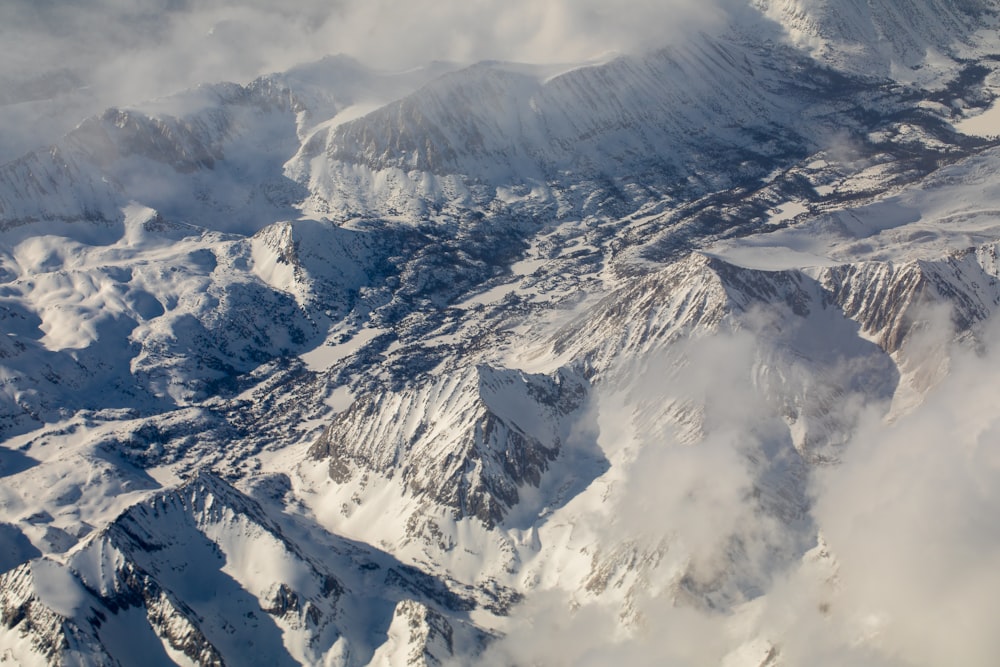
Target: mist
[(895, 564), (66, 61), (910, 516)]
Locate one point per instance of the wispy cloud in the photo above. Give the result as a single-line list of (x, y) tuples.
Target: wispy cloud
[(910, 516), (904, 571), (100, 53)]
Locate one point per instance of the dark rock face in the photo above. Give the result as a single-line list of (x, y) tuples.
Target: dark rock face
[(466, 442)]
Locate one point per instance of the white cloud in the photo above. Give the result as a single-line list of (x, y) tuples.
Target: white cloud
[(911, 516), (393, 33), (93, 54), (908, 518), (690, 503)]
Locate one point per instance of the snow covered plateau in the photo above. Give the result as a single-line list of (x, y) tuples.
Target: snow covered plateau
[(684, 356)]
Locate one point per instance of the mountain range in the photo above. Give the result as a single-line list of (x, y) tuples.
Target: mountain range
[(517, 364)]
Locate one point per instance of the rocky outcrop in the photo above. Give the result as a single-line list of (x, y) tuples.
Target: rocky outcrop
[(467, 442)]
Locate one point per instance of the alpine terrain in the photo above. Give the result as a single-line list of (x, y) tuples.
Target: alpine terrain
[(685, 356)]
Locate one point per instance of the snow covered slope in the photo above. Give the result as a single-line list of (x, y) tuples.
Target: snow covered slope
[(912, 41), (202, 575)]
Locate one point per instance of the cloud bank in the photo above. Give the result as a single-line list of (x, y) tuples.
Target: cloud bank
[(85, 56), (911, 518), (900, 566)]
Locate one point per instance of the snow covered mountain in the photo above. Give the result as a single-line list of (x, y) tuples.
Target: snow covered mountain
[(514, 364), (201, 575)]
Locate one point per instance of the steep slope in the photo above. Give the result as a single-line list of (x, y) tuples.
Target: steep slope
[(501, 135), (911, 41), (466, 442), (163, 161), (169, 578), (212, 156), (810, 359), (707, 114)]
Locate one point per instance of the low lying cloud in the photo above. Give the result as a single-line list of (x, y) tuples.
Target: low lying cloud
[(93, 54), (551, 632), (900, 565), (681, 514), (393, 33), (910, 516)]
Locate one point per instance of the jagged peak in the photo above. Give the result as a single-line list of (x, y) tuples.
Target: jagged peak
[(487, 430)]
